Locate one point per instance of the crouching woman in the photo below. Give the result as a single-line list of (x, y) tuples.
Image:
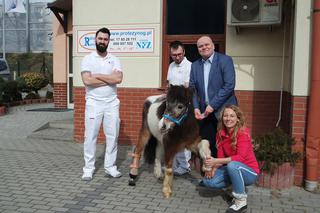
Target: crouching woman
[(236, 163)]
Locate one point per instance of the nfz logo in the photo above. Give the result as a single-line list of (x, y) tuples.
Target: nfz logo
[(144, 44)]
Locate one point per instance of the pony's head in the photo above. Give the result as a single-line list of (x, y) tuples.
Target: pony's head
[(178, 103)]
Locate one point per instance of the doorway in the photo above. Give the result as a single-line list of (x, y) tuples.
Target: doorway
[(186, 21), (70, 73)]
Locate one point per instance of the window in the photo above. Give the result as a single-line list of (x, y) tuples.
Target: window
[(187, 17)]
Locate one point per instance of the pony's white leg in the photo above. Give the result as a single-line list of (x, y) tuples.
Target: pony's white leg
[(167, 183), (204, 152), (157, 163)]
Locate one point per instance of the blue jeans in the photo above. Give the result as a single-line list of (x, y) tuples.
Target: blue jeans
[(234, 173)]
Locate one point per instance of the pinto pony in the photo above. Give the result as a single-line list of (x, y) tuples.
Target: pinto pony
[(170, 120)]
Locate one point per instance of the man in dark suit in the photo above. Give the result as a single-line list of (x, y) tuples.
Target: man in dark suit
[(213, 79)]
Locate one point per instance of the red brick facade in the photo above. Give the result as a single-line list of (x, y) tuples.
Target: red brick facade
[(60, 95), (298, 131), (261, 109)]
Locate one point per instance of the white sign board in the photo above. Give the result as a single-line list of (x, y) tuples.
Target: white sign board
[(134, 40)]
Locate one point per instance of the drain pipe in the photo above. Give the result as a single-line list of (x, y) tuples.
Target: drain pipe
[(282, 70), (313, 133)]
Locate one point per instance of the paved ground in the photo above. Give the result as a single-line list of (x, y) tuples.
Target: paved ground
[(44, 176)]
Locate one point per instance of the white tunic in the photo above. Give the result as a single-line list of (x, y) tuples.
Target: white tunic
[(96, 64), (179, 74)]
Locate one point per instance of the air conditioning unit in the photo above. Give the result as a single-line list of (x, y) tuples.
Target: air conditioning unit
[(254, 12)]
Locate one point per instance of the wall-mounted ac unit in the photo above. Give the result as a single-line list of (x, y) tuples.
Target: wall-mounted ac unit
[(254, 12)]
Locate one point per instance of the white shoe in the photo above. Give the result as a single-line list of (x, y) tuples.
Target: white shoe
[(239, 205), (113, 173), (86, 176)]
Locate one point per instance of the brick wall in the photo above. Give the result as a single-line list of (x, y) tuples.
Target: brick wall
[(298, 131), (261, 109), (60, 95)]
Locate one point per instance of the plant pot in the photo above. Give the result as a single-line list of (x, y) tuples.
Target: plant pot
[(3, 110), (283, 177), (42, 93)]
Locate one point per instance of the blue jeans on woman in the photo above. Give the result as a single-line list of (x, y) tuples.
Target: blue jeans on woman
[(234, 173)]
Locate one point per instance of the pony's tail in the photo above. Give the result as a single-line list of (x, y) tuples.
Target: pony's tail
[(150, 151)]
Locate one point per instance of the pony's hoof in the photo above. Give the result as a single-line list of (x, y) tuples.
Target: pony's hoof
[(167, 192), (167, 195), (158, 175), (132, 180)]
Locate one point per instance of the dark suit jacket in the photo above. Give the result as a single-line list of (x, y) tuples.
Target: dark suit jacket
[(221, 83)]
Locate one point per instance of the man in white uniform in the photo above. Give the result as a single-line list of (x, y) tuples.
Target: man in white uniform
[(179, 74), (101, 72)]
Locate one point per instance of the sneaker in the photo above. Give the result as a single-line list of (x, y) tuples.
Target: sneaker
[(239, 205), (86, 176), (114, 173)]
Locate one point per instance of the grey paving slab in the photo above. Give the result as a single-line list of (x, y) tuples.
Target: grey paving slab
[(44, 176)]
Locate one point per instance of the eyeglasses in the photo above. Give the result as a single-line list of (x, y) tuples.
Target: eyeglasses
[(177, 55)]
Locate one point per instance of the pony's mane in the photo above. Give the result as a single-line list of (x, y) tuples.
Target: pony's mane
[(179, 94)]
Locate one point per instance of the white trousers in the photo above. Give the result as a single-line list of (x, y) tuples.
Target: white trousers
[(181, 160), (108, 113)]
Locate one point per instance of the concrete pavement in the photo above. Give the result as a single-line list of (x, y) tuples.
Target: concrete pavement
[(41, 175)]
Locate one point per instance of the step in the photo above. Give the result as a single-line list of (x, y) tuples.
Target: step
[(62, 124), (59, 124), (60, 130), (56, 134)]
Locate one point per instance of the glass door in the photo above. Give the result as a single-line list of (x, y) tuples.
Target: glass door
[(70, 74)]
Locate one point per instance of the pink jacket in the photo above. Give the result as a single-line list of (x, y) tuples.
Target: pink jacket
[(244, 150)]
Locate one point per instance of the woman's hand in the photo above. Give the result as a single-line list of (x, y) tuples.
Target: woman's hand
[(210, 162)]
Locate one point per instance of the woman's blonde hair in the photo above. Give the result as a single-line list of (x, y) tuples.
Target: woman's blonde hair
[(239, 125)]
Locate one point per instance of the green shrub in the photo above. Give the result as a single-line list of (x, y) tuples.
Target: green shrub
[(1, 80), (34, 81), (22, 86), (274, 149), (10, 92)]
